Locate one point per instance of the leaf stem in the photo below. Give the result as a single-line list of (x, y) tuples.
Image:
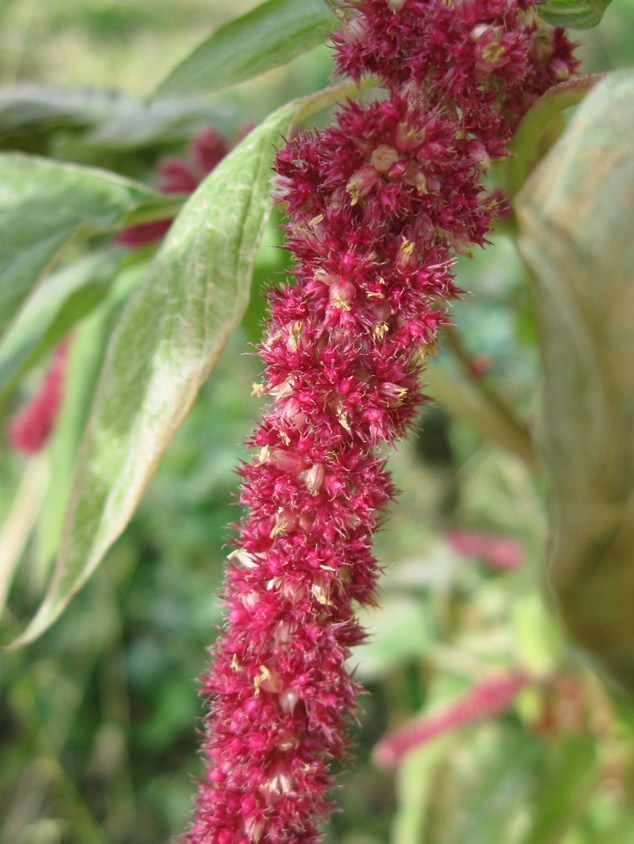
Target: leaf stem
[(475, 401), (322, 99)]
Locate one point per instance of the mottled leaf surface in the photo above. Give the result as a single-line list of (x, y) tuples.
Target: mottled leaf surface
[(56, 305), (44, 204), (576, 216), (168, 339), (87, 350)]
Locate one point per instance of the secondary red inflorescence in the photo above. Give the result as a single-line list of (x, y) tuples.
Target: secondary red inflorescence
[(377, 206), (178, 175), (30, 429)]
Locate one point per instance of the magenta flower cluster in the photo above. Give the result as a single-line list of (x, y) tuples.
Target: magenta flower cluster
[(31, 427), (377, 205)]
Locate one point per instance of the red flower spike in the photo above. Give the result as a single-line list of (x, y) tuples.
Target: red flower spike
[(490, 697), (207, 151), (500, 552), (30, 429), (376, 206)]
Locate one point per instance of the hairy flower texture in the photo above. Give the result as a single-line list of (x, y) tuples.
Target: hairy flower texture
[(491, 696), (489, 59), (377, 205), (178, 175), (30, 429)]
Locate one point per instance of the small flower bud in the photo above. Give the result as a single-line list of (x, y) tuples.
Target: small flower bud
[(284, 390), (288, 699), (286, 460), (281, 781), (384, 157), (245, 559), (314, 478), (295, 336), (254, 829), (268, 681), (407, 137), (415, 177), (479, 155), (542, 47), (286, 740), (559, 70), (361, 183), (341, 295), (282, 633), (251, 600), (321, 588), (406, 258), (285, 520)]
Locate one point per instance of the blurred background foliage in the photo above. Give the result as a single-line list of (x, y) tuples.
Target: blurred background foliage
[(97, 719)]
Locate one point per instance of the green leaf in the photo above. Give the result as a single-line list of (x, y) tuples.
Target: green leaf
[(45, 204), (566, 783), (104, 121), (574, 14), (401, 631), (484, 790), (139, 126), (56, 305), (269, 36), (577, 237), (170, 335), (414, 786), (527, 146), (19, 522), (39, 109), (84, 365)]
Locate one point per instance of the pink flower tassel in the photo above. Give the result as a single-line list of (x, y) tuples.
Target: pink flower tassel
[(490, 697), (500, 552), (376, 206), (30, 429)]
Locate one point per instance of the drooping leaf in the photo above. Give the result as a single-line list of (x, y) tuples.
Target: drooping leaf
[(55, 306), (488, 787), (266, 37), (18, 525), (530, 141), (169, 337), (44, 204), (577, 236), (574, 14), (104, 121), (86, 357), (31, 108), (137, 125), (566, 782)]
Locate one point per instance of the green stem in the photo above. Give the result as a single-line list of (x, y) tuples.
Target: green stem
[(322, 99), (154, 213), (485, 409)]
